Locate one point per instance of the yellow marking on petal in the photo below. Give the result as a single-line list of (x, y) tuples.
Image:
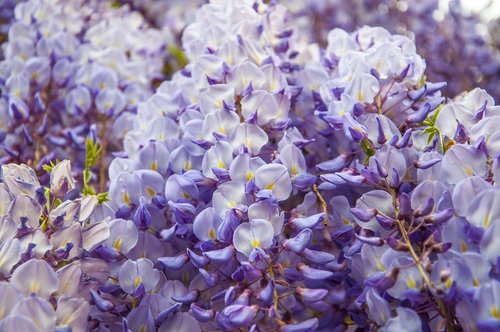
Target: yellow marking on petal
[(117, 244), (271, 186), (487, 220), (361, 96), (286, 263), (126, 198), (137, 281), (22, 56), (463, 246), (108, 105), (151, 191), (34, 287), (448, 282), (102, 86), (410, 282), (468, 171), (379, 265), (476, 282), (142, 329), (222, 131), (249, 176), (211, 233), (494, 312), (294, 170), (187, 165), (255, 243), (220, 164), (231, 204), (345, 221), (219, 104), (18, 93), (185, 195), (246, 142), (133, 101), (272, 86), (341, 112), (154, 166)]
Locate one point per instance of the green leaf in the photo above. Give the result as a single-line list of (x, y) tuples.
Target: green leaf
[(430, 137), (178, 55), (102, 197), (367, 148), (50, 166), (92, 152)]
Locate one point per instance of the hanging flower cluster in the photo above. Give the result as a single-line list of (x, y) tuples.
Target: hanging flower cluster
[(48, 271), (271, 184), (70, 68), (454, 43)]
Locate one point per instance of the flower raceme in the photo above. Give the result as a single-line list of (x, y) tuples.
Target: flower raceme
[(269, 185)]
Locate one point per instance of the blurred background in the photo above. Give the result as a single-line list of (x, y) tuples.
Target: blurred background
[(460, 39)]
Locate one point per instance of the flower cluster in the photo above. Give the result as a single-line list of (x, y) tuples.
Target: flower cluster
[(47, 271), (413, 179), (73, 68), (271, 184), (453, 42), (210, 167)]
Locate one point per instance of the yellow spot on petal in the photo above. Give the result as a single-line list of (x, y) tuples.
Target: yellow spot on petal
[(487, 221), (476, 282), (448, 282), (255, 243), (34, 287), (118, 244), (468, 171), (185, 195), (273, 86), (126, 198), (271, 186), (154, 166), (102, 86), (221, 164), (187, 165), (463, 246), (231, 204), (380, 267), (137, 281), (222, 131), (361, 96), (494, 312), (151, 191), (294, 170), (249, 176), (211, 233), (142, 329), (410, 282)]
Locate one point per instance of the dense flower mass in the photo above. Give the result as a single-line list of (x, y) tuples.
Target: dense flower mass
[(454, 44), (273, 183), (73, 68)]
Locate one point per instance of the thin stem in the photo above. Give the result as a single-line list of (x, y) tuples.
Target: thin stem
[(102, 157)]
